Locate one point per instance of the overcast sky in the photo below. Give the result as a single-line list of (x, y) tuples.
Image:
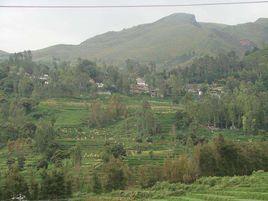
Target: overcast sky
[(23, 29)]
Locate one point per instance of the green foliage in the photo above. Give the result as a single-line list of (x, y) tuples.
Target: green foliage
[(96, 184), (97, 115), (147, 124), (253, 187), (158, 139), (25, 87), (116, 175), (148, 175), (182, 119), (100, 116), (15, 185), (225, 158), (208, 69), (117, 151), (45, 135), (181, 169), (55, 185), (77, 155)]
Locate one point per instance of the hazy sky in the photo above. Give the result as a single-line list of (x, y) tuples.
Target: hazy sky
[(23, 29)]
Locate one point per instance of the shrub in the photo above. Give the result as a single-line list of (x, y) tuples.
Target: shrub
[(148, 175)]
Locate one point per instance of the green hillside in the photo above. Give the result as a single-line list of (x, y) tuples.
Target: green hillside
[(238, 188), (84, 131), (172, 39)]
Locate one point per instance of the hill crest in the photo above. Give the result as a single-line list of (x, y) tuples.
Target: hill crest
[(169, 40)]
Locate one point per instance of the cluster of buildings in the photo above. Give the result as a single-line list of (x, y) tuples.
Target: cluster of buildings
[(197, 89), (141, 87), (44, 78)]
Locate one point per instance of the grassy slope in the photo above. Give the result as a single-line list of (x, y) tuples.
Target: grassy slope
[(256, 32), (238, 188), (162, 41)]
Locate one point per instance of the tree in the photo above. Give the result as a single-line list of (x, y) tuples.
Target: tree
[(118, 151), (77, 156), (116, 108), (181, 169), (182, 119), (177, 90), (115, 151), (97, 115), (25, 87), (21, 161), (58, 156), (45, 135), (54, 185), (15, 185), (96, 184), (147, 124), (33, 187), (207, 160), (116, 175), (148, 175)]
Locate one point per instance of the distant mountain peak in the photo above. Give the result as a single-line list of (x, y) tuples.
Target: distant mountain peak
[(3, 52), (168, 41), (262, 21), (179, 18)]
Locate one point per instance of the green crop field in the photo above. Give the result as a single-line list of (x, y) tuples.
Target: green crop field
[(70, 115), (237, 188)]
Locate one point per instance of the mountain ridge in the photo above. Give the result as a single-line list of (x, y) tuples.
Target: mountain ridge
[(163, 41)]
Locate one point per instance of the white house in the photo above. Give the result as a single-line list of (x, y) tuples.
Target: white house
[(140, 82)]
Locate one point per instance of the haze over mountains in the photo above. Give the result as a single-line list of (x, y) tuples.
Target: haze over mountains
[(172, 39), (3, 54)]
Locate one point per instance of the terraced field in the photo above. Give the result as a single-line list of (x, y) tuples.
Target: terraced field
[(71, 113), (237, 188), (70, 116), (244, 188)]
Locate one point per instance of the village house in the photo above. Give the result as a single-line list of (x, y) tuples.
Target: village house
[(140, 87), (44, 78), (194, 88), (101, 90), (156, 93), (99, 84), (216, 90)]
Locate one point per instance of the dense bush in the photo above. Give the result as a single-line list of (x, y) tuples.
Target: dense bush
[(148, 175), (226, 158), (116, 175)]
